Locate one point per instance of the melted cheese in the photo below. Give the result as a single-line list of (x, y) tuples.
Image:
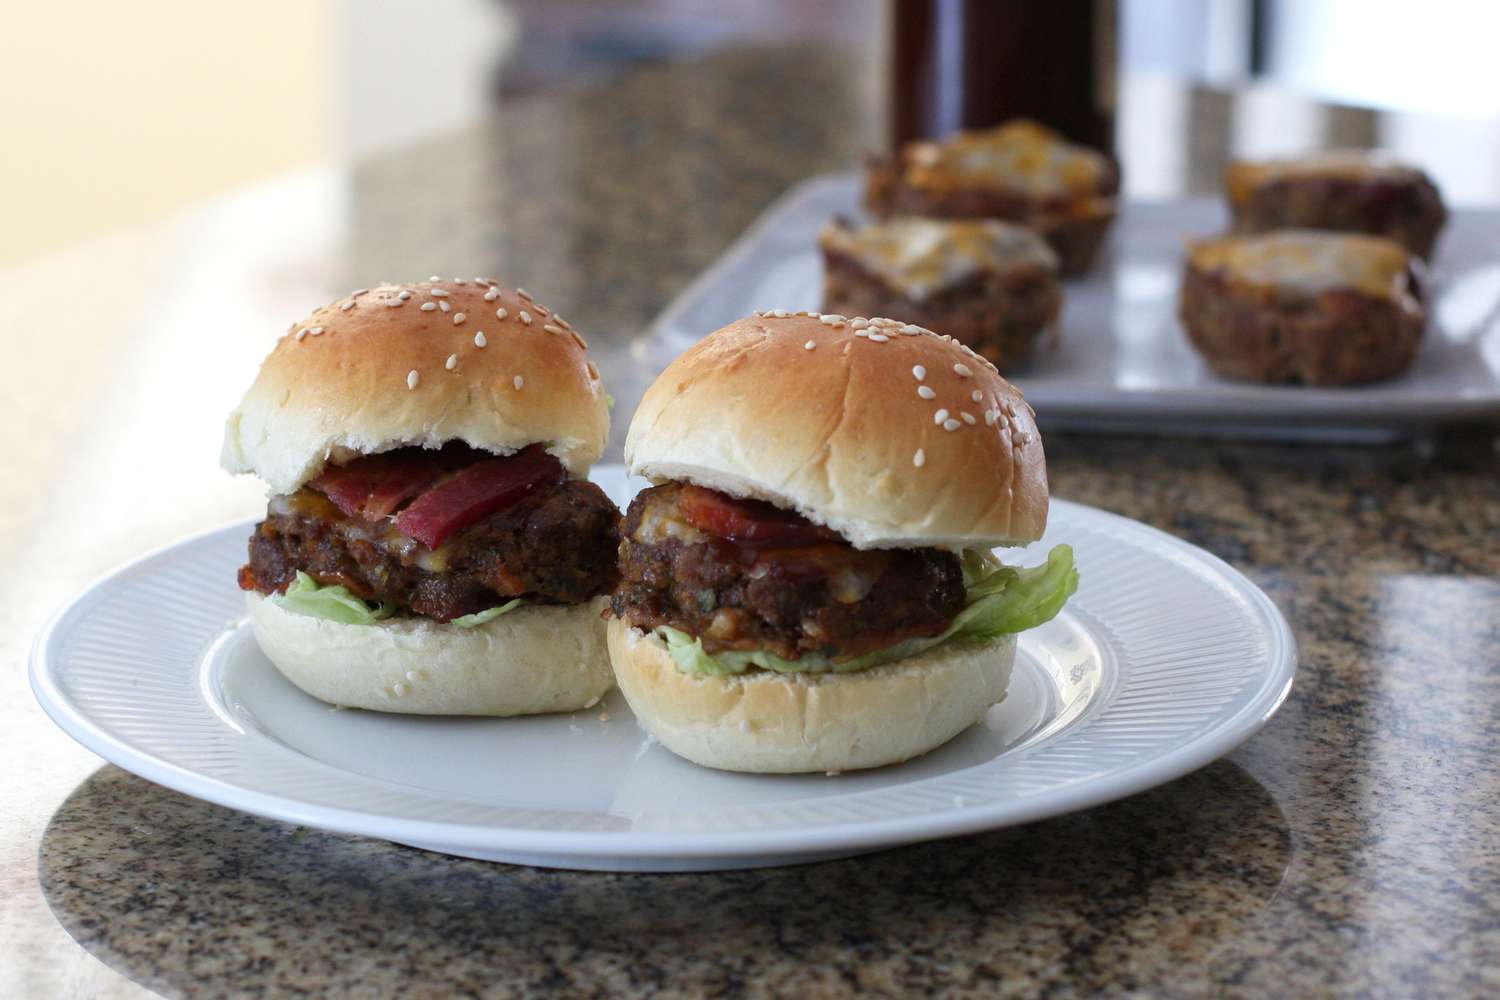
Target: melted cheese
[(660, 521), (921, 256), (1242, 179), (1310, 261), (1019, 156)]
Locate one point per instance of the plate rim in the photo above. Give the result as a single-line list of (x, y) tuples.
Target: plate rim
[(1177, 407), (1221, 735)]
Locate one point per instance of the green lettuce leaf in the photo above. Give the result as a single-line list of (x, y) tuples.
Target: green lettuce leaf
[(488, 614), (308, 597), (1002, 600)]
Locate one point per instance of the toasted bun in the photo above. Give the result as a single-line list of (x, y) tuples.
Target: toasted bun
[(789, 723), (534, 659), (341, 383), (839, 432)]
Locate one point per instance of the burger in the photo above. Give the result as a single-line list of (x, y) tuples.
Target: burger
[(431, 544), (809, 585)]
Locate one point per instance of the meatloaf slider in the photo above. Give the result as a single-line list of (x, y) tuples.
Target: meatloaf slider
[(990, 285), (431, 544), (1303, 306), (809, 585), (1353, 191), (1021, 172)]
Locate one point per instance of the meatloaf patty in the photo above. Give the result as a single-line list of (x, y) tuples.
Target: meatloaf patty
[(1021, 172), (1343, 191), (991, 285), (1300, 306), (825, 597), (557, 546)]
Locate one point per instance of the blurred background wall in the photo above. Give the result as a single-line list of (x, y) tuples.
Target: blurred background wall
[(121, 114)]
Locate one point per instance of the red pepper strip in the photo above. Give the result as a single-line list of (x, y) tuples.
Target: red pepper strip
[(476, 492), (749, 522)]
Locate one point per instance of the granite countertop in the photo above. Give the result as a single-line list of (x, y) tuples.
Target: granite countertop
[(1349, 848)]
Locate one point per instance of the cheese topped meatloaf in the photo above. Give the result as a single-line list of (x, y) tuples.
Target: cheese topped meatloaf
[(1020, 172), (991, 285), (1304, 306), (1359, 191)]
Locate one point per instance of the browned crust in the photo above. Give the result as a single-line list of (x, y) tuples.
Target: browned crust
[(998, 316), (1339, 336), (1409, 211), (1075, 232)]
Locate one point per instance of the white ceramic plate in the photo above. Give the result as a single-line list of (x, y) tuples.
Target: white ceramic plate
[(1165, 659), (1122, 362)]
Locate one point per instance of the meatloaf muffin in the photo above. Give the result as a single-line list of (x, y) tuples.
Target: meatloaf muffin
[(1354, 191), (1020, 172), (991, 285), (1303, 306)]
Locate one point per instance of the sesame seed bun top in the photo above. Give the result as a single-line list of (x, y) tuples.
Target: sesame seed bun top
[(418, 364), (871, 427)]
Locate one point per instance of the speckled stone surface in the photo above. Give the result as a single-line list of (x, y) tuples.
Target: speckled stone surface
[(1351, 848)]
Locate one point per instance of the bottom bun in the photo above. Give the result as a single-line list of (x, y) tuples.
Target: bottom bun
[(544, 658), (787, 723)]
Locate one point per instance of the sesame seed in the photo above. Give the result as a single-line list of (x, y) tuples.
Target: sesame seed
[(458, 281), (861, 333), (524, 317), (778, 314), (443, 305), (926, 392), (316, 331), (940, 416), (919, 459), (399, 688), (403, 295), (396, 302), (358, 292), (911, 329), (582, 344), (518, 382), (968, 418), (437, 293), (962, 370), (459, 318), (412, 675), (479, 340), (990, 416), (347, 306), (951, 425), (428, 307), (524, 294), (492, 295), (879, 338), (552, 329), (976, 395), (451, 363), (860, 324), (810, 345), (919, 372), (501, 313), (302, 333), (412, 378), (434, 277)]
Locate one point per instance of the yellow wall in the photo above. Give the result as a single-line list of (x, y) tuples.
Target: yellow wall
[(116, 113)]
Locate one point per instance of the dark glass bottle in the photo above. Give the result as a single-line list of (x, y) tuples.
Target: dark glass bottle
[(973, 63)]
